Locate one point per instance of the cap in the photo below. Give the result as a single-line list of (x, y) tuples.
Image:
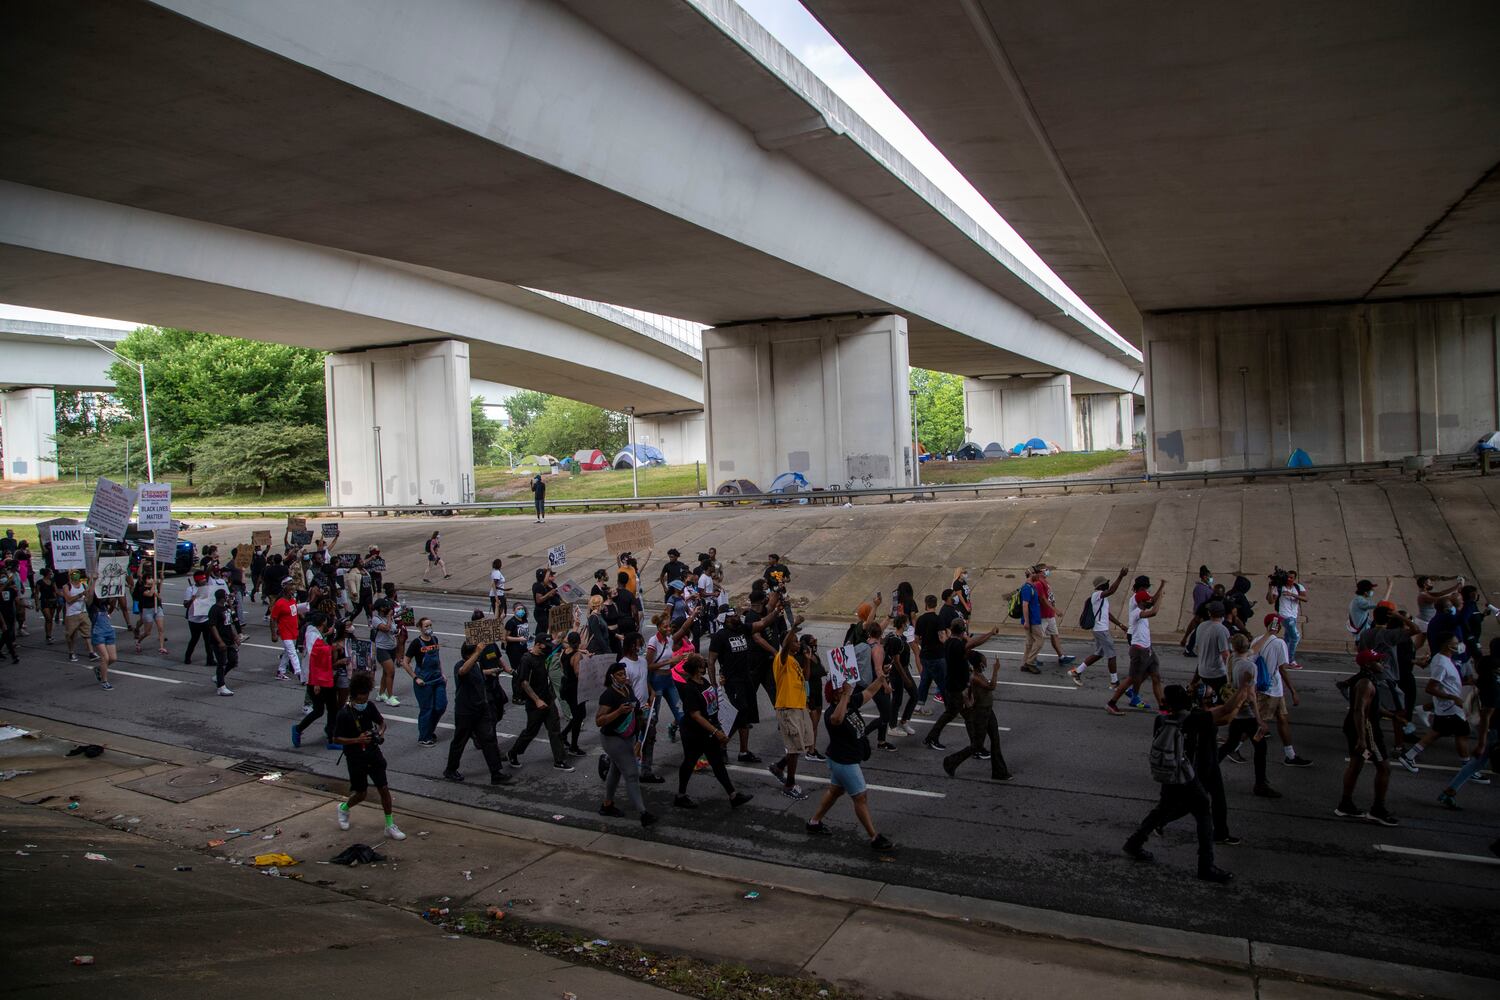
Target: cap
[(1273, 616), (1368, 658), (1101, 581), (1143, 597), (1388, 605)]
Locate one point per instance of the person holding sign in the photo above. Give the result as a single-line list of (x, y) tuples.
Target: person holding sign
[(848, 747), (75, 613), (619, 717), (148, 601), (701, 735), (544, 596)]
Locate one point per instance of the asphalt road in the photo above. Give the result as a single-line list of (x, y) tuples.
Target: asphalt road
[(1050, 838)]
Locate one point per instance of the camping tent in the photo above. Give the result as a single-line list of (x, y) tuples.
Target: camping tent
[(995, 450), (738, 487), (590, 459), (970, 452), (1299, 459), (1490, 442), (539, 460), (790, 482), (642, 455)]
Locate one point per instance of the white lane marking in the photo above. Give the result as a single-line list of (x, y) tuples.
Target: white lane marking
[(1445, 855), (933, 722), (402, 718), (814, 779), (144, 677), (1049, 687)]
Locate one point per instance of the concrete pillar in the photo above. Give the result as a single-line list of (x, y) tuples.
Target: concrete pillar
[(682, 437), (826, 398), (418, 398), (28, 421), (1103, 421), (1016, 409), (1345, 383)]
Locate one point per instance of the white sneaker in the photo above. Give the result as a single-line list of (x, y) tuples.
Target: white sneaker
[(393, 701), (394, 832), (1407, 763), (224, 692), (343, 818)]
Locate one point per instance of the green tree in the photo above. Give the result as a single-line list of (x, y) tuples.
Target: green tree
[(201, 382), (565, 425), (939, 407), (80, 411), (524, 407), (492, 439), (260, 456), (118, 454)]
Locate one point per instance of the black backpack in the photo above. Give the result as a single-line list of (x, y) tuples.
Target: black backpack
[(1088, 616)]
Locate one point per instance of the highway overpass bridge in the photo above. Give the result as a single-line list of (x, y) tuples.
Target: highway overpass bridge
[(1292, 208), (355, 174)]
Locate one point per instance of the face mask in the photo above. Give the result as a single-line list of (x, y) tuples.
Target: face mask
[(1210, 581), (359, 706), (520, 614), (1462, 647), (1046, 572)]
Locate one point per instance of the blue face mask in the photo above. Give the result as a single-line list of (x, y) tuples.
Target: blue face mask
[(359, 706), (520, 614)]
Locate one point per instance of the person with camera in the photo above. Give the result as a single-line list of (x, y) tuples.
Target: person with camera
[(1287, 596), (360, 729), (619, 718)]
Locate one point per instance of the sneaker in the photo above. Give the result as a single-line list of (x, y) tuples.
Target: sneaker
[(887, 747), (296, 736), (1406, 762), (1383, 817), (748, 758), (795, 793), (1112, 708), (562, 765), (499, 778), (702, 765), (513, 760), (1138, 852), (1267, 792), (820, 830), (72, 657), (933, 744), (1295, 762), (1065, 659), (106, 685), (683, 802), (672, 732), (1446, 800), (224, 692), (648, 819), (453, 776), (1076, 678), (576, 752), (1216, 875), (983, 755), (814, 755), (343, 818), (382, 697), (426, 743), (922, 710), (1348, 810), (1294, 665), (1002, 776), (611, 810), (1230, 841), (1235, 757), (95, 656), (739, 799), (882, 843), (949, 767), (1141, 706), (1480, 779), (393, 701), (394, 832), (1031, 668)]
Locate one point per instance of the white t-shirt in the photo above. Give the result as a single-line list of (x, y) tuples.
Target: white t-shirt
[(1442, 670), (1101, 611), (1140, 628), (636, 673), (1273, 654), (76, 599), (658, 649), (706, 585), (1287, 605), (497, 583)]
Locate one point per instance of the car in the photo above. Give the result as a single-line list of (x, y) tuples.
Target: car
[(183, 559)]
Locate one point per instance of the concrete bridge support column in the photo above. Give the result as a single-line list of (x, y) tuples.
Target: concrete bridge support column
[(28, 421), (1011, 410), (1364, 382), (682, 437), (826, 398), (399, 428)]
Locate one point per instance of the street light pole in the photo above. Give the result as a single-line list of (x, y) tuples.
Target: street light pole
[(916, 444), (145, 411), (635, 486)]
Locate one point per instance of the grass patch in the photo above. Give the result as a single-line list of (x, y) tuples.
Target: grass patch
[(679, 973), (67, 493), (499, 483), (1071, 463)]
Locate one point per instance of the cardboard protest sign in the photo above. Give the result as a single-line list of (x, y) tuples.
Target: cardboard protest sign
[(557, 557), (68, 547), (164, 541), (484, 631), (330, 529), (297, 575), (361, 655), (628, 536), (591, 670), (408, 616), (260, 537), (113, 579), (560, 619), (296, 523), (571, 592), (302, 537), (345, 560), (727, 712), (155, 501), (243, 554), (109, 512)]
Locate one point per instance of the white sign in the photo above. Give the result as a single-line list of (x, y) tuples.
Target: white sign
[(843, 667), (109, 514), (155, 501), (727, 712), (165, 542), (591, 671), (113, 577), (67, 547), (557, 556)]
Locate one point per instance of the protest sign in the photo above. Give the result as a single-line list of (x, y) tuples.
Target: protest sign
[(296, 523), (297, 574), (727, 712), (243, 554), (164, 541), (361, 655), (557, 557), (560, 619), (346, 559), (260, 537), (842, 666), (408, 617), (571, 592), (591, 671), (155, 501), (109, 513), (67, 547), (628, 536), (376, 565), (484, 631), (302, 537), (330, 529), (113, 577)]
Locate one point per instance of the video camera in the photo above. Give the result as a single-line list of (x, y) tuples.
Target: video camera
[(1279, 577)]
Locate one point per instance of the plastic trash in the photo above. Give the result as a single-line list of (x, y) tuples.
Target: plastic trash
[(216, 843), (183, 868), (752, 895), (7, 775), (91, 856), (279, 860), (468, 876), (83, 959)]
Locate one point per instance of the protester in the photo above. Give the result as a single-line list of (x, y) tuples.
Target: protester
[(47, 599), (539, 497), (102, 638), (428, 685), (956, 651), (324, 692), (701, 735), (1274, 686), (1049, 616), (360, 729), (1247, 722), (434, 549), (848, 748), (533, 688), (1143, 662), (149, 614), (285, 626), (1031, 620), (1099, 620), (1203, 592), (1287, 596), (572, 652), (979, 718), (792, 719), (619, 718), (1363, 733), (10, 600), (1487, 752), (1445, 688), (473, 714), (931, 634), (223, 642)]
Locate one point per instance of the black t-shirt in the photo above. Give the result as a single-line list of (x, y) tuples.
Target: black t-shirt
[(627, 612), (601, 590), (539, 487), (674, 570), (956, 652), (350, 724), (947, 615), (418, 652), (760, 657), (847, 742), (469, 694), (697, 696), (533, 671), (777, 574), (928, 625), (544, 606), (731, 652), (515, 650), (219, 620), (609, 700), (1201, 738)]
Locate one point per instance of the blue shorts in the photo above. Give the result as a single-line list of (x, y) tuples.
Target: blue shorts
[(849, 777), (102, 636)]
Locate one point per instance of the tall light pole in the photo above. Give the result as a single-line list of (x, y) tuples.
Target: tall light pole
[(916, 445), (635, 461), (145, 412)]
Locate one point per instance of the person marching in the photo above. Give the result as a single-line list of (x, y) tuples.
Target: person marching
[(701, 735), (360, 729), (473, 713), (618, 718)]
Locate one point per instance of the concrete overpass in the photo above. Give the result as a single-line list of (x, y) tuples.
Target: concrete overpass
[(1294, 208), (39, 358), (668, 156)]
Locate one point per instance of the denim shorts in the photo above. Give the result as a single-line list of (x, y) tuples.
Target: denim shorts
[(849, 777)]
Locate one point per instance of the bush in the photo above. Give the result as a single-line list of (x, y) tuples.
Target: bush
[(262, 456)]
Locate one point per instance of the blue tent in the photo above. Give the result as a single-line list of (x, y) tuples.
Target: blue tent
[(638, 455), (1018, 448), (789, 482), (1299, 460), (1037, 444)]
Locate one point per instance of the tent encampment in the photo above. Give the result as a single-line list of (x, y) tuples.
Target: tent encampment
[(589, 459), (790, 482), (995, 450), (969, 452), (642, 456), (737, 487)]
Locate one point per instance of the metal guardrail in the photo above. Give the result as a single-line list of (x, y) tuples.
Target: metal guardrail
[(836, 494)]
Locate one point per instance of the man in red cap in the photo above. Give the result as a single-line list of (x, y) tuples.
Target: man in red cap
[(1274, 687), (1366, 742)]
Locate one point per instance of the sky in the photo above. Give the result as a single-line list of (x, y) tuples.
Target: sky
[(790, 23)]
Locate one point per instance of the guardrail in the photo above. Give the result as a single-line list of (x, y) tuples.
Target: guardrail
[(834, 495)]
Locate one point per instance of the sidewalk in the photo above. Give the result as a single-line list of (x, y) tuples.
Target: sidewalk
[(159, 806)]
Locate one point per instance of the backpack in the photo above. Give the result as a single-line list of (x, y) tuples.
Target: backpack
[(1089, 615), (854, 634), (1013, 605), (1263, 678), (1169, 763)]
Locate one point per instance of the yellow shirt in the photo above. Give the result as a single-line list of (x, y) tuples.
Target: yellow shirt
[(630, 584), (791, 686)]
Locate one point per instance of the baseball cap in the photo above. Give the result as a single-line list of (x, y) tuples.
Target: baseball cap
[(1143, 597), (1268, 619), (1368, 658)]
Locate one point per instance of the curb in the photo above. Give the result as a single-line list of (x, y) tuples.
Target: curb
[(1256, 958)]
